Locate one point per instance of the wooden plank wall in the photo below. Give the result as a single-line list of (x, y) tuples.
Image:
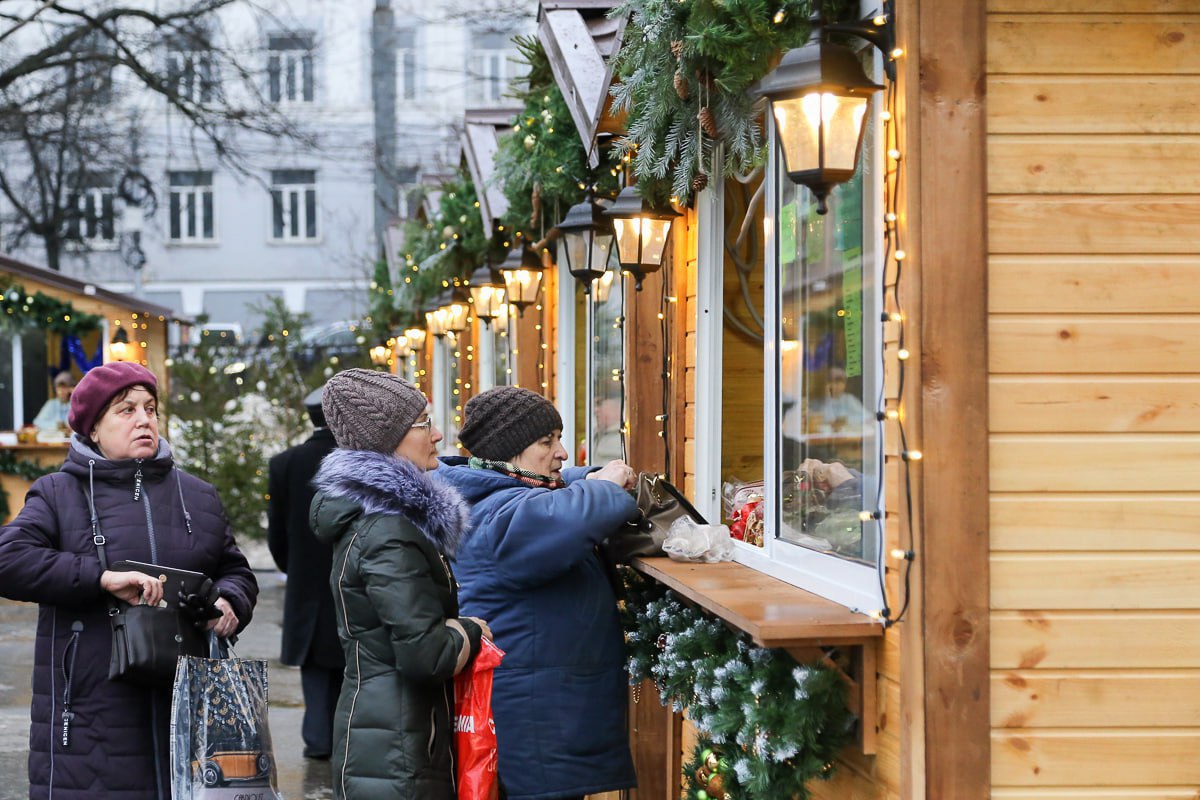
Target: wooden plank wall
[(1094, 311), (685, 251)]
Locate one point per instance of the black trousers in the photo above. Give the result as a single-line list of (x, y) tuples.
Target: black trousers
[(321, 687)]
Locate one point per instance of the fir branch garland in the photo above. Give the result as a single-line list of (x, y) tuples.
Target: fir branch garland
[(21, 311), (22, 468), (684, 60), (543, 156), (779, 724)]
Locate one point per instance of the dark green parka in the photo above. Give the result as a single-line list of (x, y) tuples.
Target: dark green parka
[(392, 527)]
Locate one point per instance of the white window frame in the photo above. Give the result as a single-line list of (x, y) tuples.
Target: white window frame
[(296, 69), (91, 229), (199, 68), (191, 200), (852, 584), (489, 70), (293, 200)]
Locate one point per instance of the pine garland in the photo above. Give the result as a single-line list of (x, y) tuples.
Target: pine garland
[(542, 165), (778, 724), (22, 468), (21, 311), (683, 72)]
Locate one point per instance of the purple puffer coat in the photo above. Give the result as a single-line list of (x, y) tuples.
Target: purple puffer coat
[(118, 738)]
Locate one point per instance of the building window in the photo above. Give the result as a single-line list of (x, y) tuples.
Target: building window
[(90, 210), (191, 206), (488, 66), (89, 76), (824, 374), (606, 353), (406, 63), (293, 204), (192, 75), (290, 67)]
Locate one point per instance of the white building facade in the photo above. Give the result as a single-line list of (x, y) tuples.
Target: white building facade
[(298, 221)]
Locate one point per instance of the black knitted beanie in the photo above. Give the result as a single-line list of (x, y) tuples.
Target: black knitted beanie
[(501, 422)]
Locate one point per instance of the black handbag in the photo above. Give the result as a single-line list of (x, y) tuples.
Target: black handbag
[(659, 505), (147, 641)]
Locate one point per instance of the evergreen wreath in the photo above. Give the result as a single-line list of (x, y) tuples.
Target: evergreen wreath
[(683, 74), (21, 311), (774, 723)]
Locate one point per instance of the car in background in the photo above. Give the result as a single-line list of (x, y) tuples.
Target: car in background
[(347, 340)]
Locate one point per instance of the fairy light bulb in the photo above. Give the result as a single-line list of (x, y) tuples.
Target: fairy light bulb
[(901, 255), (902, 354)]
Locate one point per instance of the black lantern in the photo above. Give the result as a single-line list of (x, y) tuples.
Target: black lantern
[(641, 233), (819, 96), (522, 272), (487, 293), (436, 317), (457, 310), (586, 241)]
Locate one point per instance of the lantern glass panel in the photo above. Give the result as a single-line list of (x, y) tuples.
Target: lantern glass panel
[(641, 241), (415, 337), (803, 123), (521, 285), (488, 300), (456, 316)]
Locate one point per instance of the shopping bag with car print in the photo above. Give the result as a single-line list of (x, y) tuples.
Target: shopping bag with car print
[(220, 742), (474, 729)]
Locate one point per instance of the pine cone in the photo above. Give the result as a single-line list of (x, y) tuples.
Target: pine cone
[(535, 200), (681, 86), (708, 122), (705, 79), (677, 48), (700, 182)]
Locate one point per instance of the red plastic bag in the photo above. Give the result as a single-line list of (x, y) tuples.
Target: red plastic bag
[(474, 728)]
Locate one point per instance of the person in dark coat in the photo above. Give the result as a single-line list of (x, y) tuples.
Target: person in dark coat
[(310, 639), (392, 528), (530, 567), (92, 738)]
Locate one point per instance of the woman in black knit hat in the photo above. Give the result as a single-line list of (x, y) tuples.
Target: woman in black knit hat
[(392, 529), (531, 569)]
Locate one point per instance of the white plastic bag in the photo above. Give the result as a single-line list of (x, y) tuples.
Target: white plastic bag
[(688, 540)]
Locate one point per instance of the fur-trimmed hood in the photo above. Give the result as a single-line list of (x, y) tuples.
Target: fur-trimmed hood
[(381, 484)]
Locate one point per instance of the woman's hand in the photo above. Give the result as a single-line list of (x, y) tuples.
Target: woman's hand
[(132, 586), (225, 625), (483, 627), (616, 471)]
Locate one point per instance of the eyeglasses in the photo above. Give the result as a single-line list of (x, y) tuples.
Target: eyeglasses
[(427, 424)]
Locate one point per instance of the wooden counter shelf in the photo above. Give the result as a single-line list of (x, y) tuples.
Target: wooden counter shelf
[(776, 614)]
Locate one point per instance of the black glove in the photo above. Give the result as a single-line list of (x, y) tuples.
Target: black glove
[(199, 607)]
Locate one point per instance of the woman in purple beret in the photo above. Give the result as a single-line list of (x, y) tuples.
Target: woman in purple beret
[(91, 737)]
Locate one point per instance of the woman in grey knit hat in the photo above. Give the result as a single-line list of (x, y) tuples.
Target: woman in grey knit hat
[(392, 528), (531, 569)]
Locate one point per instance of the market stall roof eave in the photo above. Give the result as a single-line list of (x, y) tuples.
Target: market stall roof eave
[(580, 40), (482, 130), (22, 271), (431, 200)]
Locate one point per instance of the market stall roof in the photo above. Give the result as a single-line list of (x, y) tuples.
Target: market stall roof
[(580, 41), (22, 271), (481, 137)]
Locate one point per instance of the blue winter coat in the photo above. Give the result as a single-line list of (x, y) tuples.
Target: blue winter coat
[(530, 568), (118, 742)]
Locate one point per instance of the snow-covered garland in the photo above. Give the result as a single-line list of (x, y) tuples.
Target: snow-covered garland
[(767, 725)]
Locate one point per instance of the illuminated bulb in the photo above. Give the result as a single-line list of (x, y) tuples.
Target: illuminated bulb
[(885, 115), (913, 455), (896, 53), (889, 217), (865, 516), (902, 354), (894, 154), (879, 20), (895, 316), (892, 413), (901, 255), (779, 16)]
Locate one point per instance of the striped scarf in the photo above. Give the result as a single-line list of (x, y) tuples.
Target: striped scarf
[(524, 476)]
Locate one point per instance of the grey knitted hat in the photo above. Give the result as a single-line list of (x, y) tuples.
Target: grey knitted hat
[(501, 422), (368, 410)]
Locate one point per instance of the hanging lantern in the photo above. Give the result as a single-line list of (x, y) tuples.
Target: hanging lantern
[(436, 319), (402, 348), (586, 242), (819, 96), (487, 293), (641, 233), (416, 339), (522, 271), (458, 310), (118, 347), (380, 355)]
